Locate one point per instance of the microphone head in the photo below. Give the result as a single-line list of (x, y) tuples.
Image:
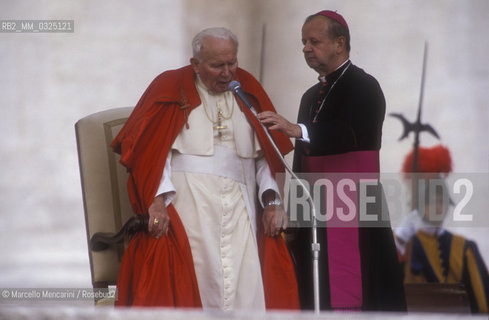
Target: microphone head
[(234, 85)]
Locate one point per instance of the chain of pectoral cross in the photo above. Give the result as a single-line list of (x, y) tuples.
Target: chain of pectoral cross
[(219, 126)]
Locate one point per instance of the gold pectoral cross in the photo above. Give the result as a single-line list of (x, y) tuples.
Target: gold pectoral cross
[(219, 126)]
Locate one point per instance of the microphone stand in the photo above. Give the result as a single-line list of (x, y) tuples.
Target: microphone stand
[(315, 246)]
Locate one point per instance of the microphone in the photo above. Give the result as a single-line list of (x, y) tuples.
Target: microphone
[(235, 87)]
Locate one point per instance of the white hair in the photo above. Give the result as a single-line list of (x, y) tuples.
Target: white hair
[(219, 33)]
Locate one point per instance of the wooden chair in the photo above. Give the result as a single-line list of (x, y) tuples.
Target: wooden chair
[(437, 297), (103, 180)]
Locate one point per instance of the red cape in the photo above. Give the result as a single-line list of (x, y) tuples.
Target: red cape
[(160, 272)]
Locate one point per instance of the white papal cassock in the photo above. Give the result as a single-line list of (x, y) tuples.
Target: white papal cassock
[(211, 177)]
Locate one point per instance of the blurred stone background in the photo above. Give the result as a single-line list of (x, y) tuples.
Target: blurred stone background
[(50, 80)]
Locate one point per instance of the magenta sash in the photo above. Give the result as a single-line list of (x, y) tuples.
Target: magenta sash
[(345, 273)]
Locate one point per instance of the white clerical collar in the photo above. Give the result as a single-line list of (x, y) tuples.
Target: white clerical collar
[(201, 84), (323, 78), (341, 65)]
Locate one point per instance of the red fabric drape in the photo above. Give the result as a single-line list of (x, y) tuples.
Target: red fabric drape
[(157, 272)]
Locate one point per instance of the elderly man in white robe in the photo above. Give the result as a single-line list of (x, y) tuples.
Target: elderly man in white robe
[(214, 176)]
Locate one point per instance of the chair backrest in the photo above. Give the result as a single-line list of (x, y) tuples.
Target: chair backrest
[(437, 297), (103, 180)]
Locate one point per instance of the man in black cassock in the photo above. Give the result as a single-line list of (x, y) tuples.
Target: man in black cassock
[(339, 130)]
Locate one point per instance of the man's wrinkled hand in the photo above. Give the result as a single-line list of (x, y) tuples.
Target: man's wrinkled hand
[(274, 220), (159, 221), (274, 121)]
